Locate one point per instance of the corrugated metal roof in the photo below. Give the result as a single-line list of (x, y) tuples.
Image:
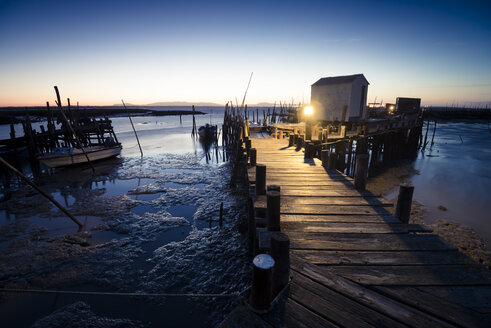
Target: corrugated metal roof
[(339, 79)]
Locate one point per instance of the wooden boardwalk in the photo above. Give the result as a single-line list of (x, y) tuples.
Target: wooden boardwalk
[(355, 265)]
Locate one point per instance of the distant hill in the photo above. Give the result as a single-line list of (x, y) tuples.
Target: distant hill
[(184, 103), (189, 104)]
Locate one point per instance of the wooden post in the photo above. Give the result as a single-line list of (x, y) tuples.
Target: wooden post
[(333, 159), (361, 169), (308, 149), (280, 134), (262, 275), (273, 210), (260, 179), (433, 137), (300, 141), (308, 130), (131, 121), (248, 146), (325, 157), (404, 201), (253, 156), (280, 251)]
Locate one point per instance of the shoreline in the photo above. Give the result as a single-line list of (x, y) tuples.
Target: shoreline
[(11, 114), (468, 241)]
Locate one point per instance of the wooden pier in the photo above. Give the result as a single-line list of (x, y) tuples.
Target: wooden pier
[(353, 264)]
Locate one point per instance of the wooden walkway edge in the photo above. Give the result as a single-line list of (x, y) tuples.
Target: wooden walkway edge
[(355, 265)]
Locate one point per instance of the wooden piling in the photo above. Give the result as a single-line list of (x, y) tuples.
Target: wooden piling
[(280, 251), (262, 275), (291, 140), (273, 210), (253, 156), (361, 170), (308, 149), (404, 201), (260, 179), (308, 130), (325, 157), (333, 159)]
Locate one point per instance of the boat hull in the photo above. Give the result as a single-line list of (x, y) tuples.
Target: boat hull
[(54, 160)]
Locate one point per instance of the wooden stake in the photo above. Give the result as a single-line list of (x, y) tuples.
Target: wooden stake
[(261, 289), (280, 251), (404, 201), (136, 136)]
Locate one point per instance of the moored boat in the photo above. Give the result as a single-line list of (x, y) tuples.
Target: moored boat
[(70, 156)]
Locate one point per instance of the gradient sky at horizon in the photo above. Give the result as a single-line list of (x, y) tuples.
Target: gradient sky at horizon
[(99, 52)]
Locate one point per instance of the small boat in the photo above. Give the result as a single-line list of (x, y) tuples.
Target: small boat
[(207, 132), (66, 156)]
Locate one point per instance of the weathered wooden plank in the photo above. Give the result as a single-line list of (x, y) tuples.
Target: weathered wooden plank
[(343, 227), (243, 317), (339, 218), (288, 313), (313, 184), (385, 305), (421, 275), (292, 200), (437, 306), (367, 242), (478, 299), (300, 191), (321, 257), (334, 306), (333, 209)]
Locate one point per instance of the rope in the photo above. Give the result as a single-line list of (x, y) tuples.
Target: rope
[(72, 292)]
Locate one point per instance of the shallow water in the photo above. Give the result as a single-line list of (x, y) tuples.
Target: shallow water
[(152, 225), (455, 173)]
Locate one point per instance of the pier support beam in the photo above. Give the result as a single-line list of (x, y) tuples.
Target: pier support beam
[(325, 157), (262, 274), (404, 201), (361, 170), (247, 142), (280, 251), (333, 159), (273, 210), (308, 130), (260, 179), (308, 149), (253, 156)]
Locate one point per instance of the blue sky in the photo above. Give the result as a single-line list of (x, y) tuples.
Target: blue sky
[(98, 52)]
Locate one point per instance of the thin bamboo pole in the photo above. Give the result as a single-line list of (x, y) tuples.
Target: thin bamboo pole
[(137, 140)]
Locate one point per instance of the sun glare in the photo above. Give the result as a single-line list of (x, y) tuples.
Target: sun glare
[(309, 110)]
